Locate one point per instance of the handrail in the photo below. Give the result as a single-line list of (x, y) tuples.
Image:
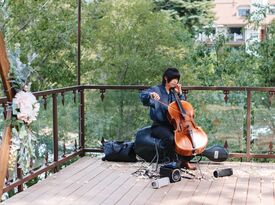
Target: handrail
[(141, 87), (213, 88)]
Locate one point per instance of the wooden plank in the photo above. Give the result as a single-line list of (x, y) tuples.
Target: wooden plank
[(267, 191), (55, 189), (63, 196), (144, 195), (158, 195), (214, 191), (99, 188), (41, 170), (97, 182), (228, 190), (62, 175), (254, 191), (201, 192), (188, 191), (44, 186), (76, 196), (240, 195), (174, 192), (123, 190), (108, 190), (134, 191)]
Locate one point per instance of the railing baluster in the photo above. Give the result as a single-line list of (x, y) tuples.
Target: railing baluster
[(55, 130), (74, 92), (102, 92), (31, 166), (45, 101), (19, 174), (226, 93), (75, 145), (46, 162), (4, 109), (225, 144), (185, 92), (47, 158), (7, 182), (64, 148), (270, 97), (270, 146), (62, 98), (81, 121), (248, 124)]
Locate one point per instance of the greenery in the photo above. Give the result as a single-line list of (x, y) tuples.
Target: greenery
[(131, 42), (141, 42), (194, 14), (47, 28)]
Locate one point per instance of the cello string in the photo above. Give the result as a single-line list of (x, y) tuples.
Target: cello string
[(166, 105), (174, 109)]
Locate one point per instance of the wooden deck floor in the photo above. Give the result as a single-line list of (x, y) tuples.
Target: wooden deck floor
[(92, 181)]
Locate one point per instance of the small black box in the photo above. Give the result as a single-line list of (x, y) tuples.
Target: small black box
[(173, 174)]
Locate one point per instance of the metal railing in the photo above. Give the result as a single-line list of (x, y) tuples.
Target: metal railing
[(80, 148)]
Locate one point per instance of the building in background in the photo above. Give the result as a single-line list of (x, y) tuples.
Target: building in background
[(231, 21)]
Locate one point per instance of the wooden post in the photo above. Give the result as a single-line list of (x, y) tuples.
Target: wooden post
[(6, 136)]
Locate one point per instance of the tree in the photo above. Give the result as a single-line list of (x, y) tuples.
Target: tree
[(195, 14), (47, 29), (124, 42), (266, 57)]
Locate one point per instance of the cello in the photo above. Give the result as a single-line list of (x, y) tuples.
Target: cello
[(190, 139)]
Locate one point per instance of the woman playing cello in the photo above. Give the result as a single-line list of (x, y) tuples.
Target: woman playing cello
[(161, 127)]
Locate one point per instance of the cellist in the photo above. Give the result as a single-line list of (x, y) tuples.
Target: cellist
[(158, 98)]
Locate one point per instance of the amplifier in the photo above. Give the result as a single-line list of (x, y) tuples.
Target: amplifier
[(173, 174)]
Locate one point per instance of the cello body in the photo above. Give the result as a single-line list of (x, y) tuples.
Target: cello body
[(190, 139)]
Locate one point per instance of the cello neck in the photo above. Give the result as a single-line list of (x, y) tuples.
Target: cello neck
[(182, 111)]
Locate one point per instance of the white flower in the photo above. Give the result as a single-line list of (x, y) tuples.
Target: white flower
[(25, 106)]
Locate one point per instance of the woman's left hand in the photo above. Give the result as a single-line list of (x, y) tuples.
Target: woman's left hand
[(178, 89)]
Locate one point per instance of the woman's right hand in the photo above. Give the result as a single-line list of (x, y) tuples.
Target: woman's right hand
[(154, 96)]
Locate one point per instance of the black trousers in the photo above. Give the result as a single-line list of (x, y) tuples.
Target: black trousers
[(166, 135)]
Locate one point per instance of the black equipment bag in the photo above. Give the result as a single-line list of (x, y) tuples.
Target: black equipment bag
[(146, 146), (119, 151)]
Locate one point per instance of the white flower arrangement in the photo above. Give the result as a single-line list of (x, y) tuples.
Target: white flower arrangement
[(25, 110), (25, 107)]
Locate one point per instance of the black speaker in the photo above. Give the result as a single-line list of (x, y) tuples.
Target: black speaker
[(173, 174), (223, 172)]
